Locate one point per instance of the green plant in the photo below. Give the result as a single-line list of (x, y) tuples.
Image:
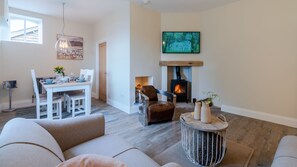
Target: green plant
[(59, 70), (210, 96)]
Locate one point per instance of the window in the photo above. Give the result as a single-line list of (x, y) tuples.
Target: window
[(25, 29)]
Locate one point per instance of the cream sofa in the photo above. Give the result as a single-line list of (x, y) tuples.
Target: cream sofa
[(286, 153), (46, 143)]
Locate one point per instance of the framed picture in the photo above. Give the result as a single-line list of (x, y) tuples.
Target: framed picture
[(75, 51)]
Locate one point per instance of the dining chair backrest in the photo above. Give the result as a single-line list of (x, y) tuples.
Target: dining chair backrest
[(35, 87), (82, 72), (88, 74)]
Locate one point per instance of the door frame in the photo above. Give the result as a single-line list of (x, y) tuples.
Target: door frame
[(97, 69)]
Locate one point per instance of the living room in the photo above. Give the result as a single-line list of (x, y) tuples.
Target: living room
[(247, 49)]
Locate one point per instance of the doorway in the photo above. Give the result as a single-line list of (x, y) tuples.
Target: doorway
[(102, 71)]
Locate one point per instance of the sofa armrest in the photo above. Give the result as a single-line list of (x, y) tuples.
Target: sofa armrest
[(172, 164), (73, 131)]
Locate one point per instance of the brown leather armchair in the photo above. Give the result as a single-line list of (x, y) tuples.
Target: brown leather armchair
[(152, 110)]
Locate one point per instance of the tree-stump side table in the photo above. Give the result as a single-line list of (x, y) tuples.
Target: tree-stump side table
[(204, 144)]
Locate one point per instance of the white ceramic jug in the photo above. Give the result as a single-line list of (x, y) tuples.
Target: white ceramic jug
[(205, 113), (197, 110)]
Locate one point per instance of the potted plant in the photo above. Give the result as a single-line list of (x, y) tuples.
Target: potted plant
[(59, 70), (210, 96)]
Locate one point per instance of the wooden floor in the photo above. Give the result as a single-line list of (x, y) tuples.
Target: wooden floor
[(260, 135)]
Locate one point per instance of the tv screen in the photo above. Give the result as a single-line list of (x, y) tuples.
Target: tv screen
[(181, 42)]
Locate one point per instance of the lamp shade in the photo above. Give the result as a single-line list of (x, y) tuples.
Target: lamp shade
[(62, 44)]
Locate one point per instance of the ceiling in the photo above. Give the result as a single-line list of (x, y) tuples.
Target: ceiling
[(90, 11)]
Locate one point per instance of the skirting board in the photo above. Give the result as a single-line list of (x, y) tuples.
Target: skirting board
[(119, 106), (261, 116), (134, 108), (94, 95), (17, 104)]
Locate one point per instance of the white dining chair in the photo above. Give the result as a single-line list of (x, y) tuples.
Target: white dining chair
[(82, 73), (76, 101), (41, 100)]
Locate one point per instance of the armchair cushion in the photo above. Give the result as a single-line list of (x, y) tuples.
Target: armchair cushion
[(150, 92), (160, 106), (160, 111)]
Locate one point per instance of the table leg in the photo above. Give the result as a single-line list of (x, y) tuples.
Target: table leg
[(49, 104), (88, 100)]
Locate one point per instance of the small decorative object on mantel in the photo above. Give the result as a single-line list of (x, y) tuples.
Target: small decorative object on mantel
[(197, 110)]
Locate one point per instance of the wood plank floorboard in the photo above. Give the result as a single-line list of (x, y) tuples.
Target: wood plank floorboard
[(262, 136)]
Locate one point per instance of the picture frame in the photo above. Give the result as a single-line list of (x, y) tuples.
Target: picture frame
[(75, 51)]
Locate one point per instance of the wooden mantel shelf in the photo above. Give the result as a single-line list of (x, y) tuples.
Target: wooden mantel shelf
[(181, 63)]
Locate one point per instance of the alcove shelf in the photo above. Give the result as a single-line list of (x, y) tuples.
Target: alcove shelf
[(181, 63)]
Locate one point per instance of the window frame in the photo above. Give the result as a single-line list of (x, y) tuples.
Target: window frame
[(25, 19)]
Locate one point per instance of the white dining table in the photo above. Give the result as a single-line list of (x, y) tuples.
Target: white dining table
[(68, 86)]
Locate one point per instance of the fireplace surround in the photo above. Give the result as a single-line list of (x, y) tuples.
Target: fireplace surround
[(189, 72)]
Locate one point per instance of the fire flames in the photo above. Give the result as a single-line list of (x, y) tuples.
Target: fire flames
[(178, 89)]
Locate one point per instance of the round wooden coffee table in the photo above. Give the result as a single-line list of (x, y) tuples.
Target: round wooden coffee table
[(204, 144)]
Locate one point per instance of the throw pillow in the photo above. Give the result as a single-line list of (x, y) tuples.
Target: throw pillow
[(92, 160)]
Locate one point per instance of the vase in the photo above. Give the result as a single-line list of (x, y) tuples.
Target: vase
[(59, 76), (205, 113), (197, 110)]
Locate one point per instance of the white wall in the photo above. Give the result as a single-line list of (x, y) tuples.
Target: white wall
[(1, 62), (249, 50), (182, 22), (19, 58), (145, 46), (115, 30)]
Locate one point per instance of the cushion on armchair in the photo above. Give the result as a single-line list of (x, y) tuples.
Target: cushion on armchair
[(150, 92), (160, 111), (161, 106)]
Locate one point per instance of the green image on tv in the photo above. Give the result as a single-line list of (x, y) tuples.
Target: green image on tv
[(181, 42)]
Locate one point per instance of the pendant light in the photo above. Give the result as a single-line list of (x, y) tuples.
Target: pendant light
[(62, 43)]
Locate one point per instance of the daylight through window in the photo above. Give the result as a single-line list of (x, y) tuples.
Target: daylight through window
[(25, 29)]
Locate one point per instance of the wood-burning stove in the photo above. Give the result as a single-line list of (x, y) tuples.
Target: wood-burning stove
[(179, 87)]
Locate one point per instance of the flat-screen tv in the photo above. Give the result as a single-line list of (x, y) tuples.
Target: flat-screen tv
[(181, 42)]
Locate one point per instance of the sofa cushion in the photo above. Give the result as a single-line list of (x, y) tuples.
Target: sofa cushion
[(287, 147), (25, 131), (92, 160), (136, 158), (73, 131), (284, 162), (108, 145), (27, 155)]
